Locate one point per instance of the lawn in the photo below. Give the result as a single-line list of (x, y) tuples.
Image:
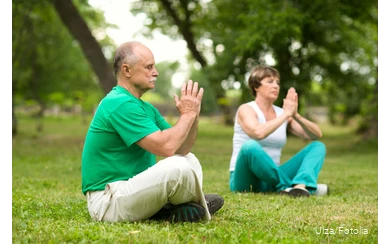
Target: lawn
[(48, 206)]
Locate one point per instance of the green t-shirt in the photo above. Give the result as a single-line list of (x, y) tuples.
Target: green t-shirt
[(110, 152)]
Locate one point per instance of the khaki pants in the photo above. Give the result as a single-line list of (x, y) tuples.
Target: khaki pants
[(176, 179)]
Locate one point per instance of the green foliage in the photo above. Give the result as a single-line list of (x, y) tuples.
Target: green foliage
[(48, 206), (333, 43), (166, 71), (48, 64), (57, 97), (209, 103), (153, 97)]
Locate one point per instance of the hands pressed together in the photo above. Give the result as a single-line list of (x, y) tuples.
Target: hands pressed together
[(290, 103), (190, 99)]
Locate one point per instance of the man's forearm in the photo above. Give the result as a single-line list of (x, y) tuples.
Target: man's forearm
[(190, 140)]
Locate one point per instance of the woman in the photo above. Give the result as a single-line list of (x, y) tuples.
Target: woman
[(260, 133)]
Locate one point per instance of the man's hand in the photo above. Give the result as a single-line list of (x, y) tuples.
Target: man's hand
[(191, 98)]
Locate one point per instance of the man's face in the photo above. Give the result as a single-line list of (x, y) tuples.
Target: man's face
[(144, 73)]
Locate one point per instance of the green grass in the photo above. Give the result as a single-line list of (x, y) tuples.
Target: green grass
[(48, 206)]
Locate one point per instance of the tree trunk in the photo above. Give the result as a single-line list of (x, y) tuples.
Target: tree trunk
[(14, 123), (90, 46), (185, 30)]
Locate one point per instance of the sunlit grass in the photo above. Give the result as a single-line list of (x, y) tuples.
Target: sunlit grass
[(48, 206)]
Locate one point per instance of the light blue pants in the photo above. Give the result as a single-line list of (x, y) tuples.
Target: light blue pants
[(255, 171)]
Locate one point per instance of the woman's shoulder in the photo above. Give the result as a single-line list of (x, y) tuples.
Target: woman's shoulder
[(245, 107), (249, 104)]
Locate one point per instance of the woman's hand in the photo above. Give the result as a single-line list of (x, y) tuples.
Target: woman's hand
[(290, 103)]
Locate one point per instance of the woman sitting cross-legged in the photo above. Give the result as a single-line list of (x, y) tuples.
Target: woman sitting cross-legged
[(260, 133)]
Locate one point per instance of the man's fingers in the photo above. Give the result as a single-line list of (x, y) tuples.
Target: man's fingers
[(189, 87), (176, 99), (183, 89), (195, 89), (200, 94)]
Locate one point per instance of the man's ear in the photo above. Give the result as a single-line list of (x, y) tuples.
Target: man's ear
[(126, 70)]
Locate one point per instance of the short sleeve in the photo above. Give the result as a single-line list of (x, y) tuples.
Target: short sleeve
[(132, 122)]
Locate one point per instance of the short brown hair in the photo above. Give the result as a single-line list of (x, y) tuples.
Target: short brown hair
[(258, 73)]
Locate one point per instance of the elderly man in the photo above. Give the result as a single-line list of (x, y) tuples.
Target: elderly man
[(120, 176)]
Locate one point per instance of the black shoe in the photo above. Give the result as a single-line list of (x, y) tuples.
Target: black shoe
[(299, 192), (295, 192), (285, 191), (214, 202), (186, 212)]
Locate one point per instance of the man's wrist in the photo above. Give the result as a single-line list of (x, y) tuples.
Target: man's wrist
[(192, 115)]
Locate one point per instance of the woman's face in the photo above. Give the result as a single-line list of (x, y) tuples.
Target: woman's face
[(269, 88)]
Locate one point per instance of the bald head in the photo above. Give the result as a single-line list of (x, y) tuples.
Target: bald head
[(125, 54)]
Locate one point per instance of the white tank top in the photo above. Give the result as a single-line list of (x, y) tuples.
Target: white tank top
[(272, 144)]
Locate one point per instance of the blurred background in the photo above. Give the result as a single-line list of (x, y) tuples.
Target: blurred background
[(328, 50)]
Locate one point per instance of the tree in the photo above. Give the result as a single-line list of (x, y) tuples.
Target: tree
[(330, 45), (92, 50), (166, 71), (46, 58), (173, 18), (333, 44)]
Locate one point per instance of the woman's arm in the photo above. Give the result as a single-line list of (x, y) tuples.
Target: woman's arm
[(304, 128)]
